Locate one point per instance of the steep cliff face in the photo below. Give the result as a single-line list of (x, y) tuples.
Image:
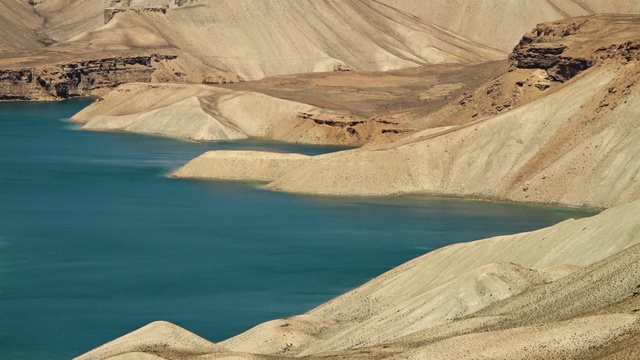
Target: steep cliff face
[(73, 79), (96, 77)]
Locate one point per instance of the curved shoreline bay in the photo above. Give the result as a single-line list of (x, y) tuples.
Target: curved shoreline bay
[(95, 240)]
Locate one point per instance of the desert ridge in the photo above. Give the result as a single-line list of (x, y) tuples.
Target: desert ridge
[(213, 42), (205, 113), (568, 142), (558, 291)]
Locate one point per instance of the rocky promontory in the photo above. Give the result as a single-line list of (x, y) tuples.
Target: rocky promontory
[(80, 78)]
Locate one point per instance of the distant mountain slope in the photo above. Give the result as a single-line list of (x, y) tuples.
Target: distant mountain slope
[(65, 19), (500, 23), (18, 26), (218, 41), (262, 38)]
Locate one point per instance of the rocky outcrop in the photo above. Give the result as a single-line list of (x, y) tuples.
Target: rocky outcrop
[(562, 50), (540, 50), (74, 79), (546, 60), (109, 13), (560, 68)]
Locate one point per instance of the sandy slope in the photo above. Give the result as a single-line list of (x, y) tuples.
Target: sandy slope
[(500, 23), (574, 143), (555, 292), (261, 38), (346, 108), (559, 149), (263, 166), (18, 25), (205, 113), (224, 40), (433, 289), (497, 24), (520, 155), (65, 19)]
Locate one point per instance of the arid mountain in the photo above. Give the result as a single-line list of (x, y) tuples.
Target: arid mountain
[(500, 23), (18, 26), (224, 41), (558, 128)]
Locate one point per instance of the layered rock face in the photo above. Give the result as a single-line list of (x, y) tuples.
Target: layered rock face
[(74, 79)]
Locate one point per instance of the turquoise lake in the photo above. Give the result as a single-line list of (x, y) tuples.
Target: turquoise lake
[(96, 242)]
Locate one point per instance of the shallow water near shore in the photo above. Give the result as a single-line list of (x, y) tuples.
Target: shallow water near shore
[(96, 242)]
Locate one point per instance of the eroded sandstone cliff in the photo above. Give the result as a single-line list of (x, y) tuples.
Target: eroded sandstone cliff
[(74, 79)]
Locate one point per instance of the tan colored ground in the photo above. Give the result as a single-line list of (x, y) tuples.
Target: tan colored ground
[(500, 23), (345, 108), (560, 292), (252, 39), (264, 166), (206, 113), (573, 143), (18, 19)]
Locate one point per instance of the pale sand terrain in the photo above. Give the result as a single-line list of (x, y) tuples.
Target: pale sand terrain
[(558, 292), (18, 19), (263, 166), (311, 37), (201, 112), (575, 145), (521, 155), (496, 24), (500, 23), (343, 108), (252, 39)]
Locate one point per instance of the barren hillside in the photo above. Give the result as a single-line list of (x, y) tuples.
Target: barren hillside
[(343, 108), (500, 23), (568, 291), (18, 26), (558, 128), (221, 41)]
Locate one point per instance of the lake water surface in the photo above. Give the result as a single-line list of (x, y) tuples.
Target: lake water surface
[(95, 241)]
